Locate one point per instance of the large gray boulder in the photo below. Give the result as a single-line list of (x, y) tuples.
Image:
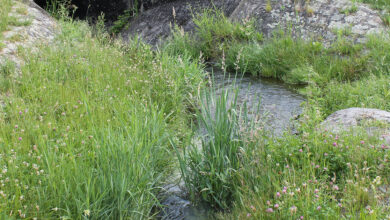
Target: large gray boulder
[(375, 121), (318, 19)]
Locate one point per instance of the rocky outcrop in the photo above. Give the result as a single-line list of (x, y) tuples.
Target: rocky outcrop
[(319, 19), (154, 24), (375, 121), (36, 26)]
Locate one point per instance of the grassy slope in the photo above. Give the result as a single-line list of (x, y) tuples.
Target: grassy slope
[(85, 131)]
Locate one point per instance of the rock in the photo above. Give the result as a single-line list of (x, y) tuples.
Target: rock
[(153, 25), (318, 19), (40, 27), (315, 19), (375, 121)]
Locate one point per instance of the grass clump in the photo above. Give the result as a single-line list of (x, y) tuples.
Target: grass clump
[(213, 168), (5, 8), (214, 33), (124, 19), (86, 129)]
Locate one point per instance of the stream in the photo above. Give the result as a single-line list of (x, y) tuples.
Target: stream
[(278, 105)]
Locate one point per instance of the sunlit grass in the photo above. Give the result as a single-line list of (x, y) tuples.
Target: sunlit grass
[(85, 129)]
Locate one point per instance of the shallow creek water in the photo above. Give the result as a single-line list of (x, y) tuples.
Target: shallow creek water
[(278, 105)]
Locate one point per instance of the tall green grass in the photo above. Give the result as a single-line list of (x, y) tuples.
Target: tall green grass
[(213, 165), (85, 128)]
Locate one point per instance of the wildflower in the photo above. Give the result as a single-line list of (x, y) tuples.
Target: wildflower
[(268, 202), (276, 205), (339, 205), (287, 166), (87, 212), (298, 190), (55, 209), (316, 191), (269, 210), (304, 184), (335, 144), (318, 208), (20, 138), (277, 194), (317, 166), (335, 187), (16, 126), (361, 142), (325, 154), (253, 208), (293, 209), (20, 112), (300, 150), (377, 180), (301, 217), (248, 215), (325, 169)]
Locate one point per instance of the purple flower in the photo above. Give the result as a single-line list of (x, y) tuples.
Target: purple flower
[(293, 209), (277, 194), (276, 205), (361, 142), (318, 208), (269, 210), (335, 144)]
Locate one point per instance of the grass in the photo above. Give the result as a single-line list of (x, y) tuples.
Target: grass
[(211, 169), (82, 138), (314, 174), (5, 8), (90, 128)]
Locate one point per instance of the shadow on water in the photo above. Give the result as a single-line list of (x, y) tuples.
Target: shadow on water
[(271, 100)]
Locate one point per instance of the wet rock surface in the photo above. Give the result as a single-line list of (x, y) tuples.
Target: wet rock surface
[(375, 121), (40, 28)]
